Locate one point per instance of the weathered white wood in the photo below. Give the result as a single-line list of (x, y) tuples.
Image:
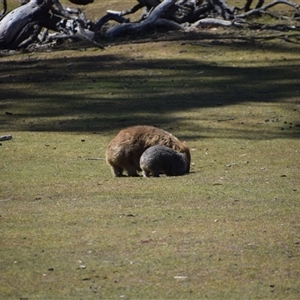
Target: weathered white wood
[(211, 22), (127, 28), (12, 24), (261, 9), (20, 27)]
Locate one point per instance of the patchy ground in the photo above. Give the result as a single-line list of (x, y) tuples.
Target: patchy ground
[(229, 229)]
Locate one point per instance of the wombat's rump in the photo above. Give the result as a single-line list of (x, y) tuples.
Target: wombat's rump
[(160, 159), (125, 149)]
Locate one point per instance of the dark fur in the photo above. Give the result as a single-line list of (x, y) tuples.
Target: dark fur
[(160, 159)]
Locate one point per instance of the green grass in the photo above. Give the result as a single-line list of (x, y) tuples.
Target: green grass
[(228, 230)]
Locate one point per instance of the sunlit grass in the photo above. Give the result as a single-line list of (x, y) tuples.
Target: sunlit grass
[(227, 230)]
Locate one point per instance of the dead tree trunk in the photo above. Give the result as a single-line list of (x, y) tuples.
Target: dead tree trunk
[(20, 27), (19, 24), (152, 21)]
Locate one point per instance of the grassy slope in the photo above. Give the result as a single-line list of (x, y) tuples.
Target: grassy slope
[(230, 229)]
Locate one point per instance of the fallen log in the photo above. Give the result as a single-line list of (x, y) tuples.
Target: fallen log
[(150, 22), (15, 21)]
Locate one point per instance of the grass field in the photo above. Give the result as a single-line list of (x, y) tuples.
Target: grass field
[(228, 230)]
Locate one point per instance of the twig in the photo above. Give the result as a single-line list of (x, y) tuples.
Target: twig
[(93, 158)]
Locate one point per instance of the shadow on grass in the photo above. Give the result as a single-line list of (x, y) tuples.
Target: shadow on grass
[(235, 39), (108, 92)]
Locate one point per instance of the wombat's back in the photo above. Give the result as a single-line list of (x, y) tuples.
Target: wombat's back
[(160, 159)]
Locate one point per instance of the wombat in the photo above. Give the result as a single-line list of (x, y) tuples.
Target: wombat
[(161, 159), (125, 149)]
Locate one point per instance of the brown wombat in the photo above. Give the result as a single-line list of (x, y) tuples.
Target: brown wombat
[(125, 149), (161, 159)]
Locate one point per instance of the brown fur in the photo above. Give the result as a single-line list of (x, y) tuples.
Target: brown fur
[(124, 150)]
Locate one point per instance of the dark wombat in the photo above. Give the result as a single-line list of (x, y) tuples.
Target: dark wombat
[(125, 149), (160, 159)]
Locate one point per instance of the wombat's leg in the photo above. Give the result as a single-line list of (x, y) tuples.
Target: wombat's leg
[(171, 171), (169, 174), (155, 173), (131, 170), (117, 171), (146, 173)]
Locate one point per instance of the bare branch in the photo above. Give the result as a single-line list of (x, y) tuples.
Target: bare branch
[(128, 28), (258, 11), (4, 8), (215, 22)]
